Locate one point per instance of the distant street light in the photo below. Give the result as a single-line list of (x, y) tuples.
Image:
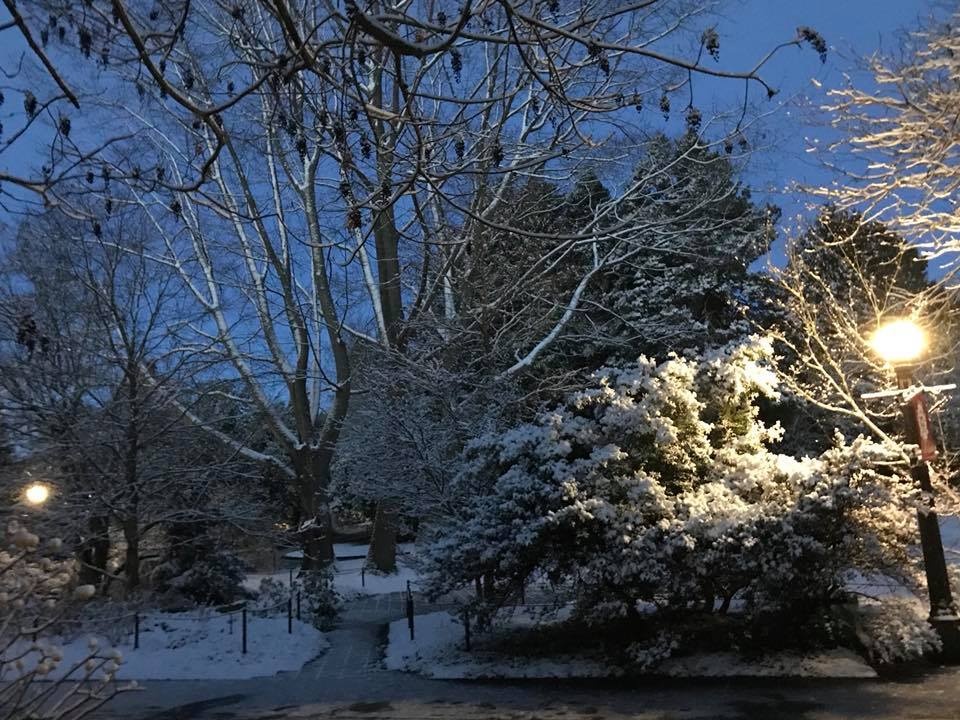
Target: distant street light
[(901, 343), (36, 493)]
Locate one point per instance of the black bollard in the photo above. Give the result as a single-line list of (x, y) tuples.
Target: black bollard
[(243, 621)]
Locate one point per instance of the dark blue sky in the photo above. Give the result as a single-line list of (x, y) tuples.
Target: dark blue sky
[(852, 29)]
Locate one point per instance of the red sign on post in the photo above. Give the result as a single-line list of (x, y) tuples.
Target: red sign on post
[(925, 439)]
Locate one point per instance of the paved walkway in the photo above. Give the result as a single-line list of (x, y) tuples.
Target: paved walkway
[(348, 682)]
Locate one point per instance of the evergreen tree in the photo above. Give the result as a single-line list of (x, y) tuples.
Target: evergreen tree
[(868, 266), (696, 231)]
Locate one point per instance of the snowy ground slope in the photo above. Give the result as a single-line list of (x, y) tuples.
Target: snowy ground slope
[(175, 648), (438, 652)]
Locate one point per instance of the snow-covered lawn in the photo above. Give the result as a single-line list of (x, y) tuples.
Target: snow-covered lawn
[(350, 580), (438, 652), (176, 646)]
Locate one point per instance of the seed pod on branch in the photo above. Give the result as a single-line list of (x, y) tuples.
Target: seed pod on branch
[(86, 41), (711, 42), (30, 104)]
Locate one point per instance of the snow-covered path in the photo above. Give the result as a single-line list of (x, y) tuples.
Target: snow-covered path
[(350, 668)]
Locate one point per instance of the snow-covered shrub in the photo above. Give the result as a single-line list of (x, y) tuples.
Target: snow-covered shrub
[(647, 655), (658, 484), (216, 579), (897, 630), (271, 593), (36, 589), (320, 600)]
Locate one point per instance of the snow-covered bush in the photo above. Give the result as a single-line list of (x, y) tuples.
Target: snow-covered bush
[(214, 580), (897, 630), (647, 655), (210, 579), (271, 593), (658, 484), (36, 588), (321, 602)]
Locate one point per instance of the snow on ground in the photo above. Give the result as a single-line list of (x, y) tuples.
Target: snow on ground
[(186, 646), (837, 663), (349, 579), (438, 652)]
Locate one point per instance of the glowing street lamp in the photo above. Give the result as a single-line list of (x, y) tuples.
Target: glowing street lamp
[(36, 493), (899, 342), (902, 343)]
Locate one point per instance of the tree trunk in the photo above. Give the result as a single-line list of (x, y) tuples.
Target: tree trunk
[(383, 543), (94, 552), (131, 534), (316, 540), (100, 526), (316, 529), (388, 272), (88, 573), (131, 522), (489, 588)]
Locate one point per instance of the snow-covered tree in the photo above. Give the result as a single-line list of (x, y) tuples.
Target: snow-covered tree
[(691, 285), (416, 430), (897, 157), (655, 484)]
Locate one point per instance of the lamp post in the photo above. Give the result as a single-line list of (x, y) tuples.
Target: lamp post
[(901, 343)]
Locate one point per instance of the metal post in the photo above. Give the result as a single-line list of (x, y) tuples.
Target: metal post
[(136, 631), (243, 620), (290, 616), (363, 576), (466, 630), (291, 577), (943, 610), (298, 604), (410, 610)]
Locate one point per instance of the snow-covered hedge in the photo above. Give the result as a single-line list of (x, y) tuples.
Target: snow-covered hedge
[(658, 484)]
